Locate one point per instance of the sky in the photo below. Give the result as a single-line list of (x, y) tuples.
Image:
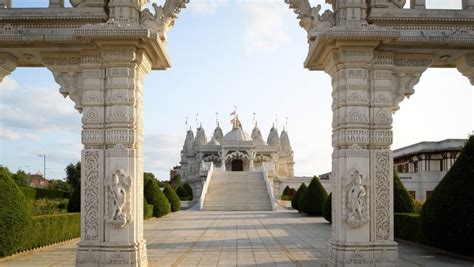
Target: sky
[(224, 53)]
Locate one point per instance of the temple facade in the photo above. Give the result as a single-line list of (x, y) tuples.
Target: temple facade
[(236, 151)]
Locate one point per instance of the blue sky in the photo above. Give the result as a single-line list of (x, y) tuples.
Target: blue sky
[(224, 53)]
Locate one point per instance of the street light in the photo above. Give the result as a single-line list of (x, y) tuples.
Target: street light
[(44, 165)]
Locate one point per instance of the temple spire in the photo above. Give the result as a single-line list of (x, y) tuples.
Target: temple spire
[(217, 119)]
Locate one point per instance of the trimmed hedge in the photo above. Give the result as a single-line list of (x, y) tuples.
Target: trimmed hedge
[(296, 199), (49, 193), (153, 195), (313, 198), (447, 217), (48, 229), (291, 193), (147, 210), (172, 198), (15, 216), (30, 193), (328, 208), (408, 227), (403, 202)]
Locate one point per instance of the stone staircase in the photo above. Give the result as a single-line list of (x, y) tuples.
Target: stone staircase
[(237, 191)]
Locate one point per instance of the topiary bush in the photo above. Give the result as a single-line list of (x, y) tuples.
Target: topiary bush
[(327, 208), (408, 226), (172, 198), (297, 197), (189, 190), (285, 191), (312, 200), (447, 217), (147, 210), (403, 202), (15, 216), (74, 204), (182, 194), (153, 195)]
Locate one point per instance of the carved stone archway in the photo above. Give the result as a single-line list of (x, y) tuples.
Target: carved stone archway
[(98, 52), (375, 52)]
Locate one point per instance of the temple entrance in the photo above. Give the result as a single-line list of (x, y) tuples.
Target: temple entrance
[(237, 165)]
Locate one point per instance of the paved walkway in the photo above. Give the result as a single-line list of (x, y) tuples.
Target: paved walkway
[(190, 238)]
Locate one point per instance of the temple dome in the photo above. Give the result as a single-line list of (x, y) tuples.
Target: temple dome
[(201, 138), (285, 141), (213, 142), (237, 135), (218, 135), (273, 138), (257, 136)]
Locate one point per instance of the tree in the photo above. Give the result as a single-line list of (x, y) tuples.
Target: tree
[(20, 178), (74, 204), (154, 196), (313, 198), (403, 202), (175, 181), (297, 197), (172, 198), (60, 185), (15, 215), (327, 208), (447, 217), (73, 174)]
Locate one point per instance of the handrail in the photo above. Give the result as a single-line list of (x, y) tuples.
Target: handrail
[(269, 186), (206, 186)]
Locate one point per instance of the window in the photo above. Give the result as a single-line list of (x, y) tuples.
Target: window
[(415, 166)]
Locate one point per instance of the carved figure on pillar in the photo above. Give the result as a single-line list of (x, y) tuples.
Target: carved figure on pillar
[(118, 192), (357, 201)]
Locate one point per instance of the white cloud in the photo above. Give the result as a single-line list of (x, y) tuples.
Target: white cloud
[(7, 85), (265, 31), (161, 153)]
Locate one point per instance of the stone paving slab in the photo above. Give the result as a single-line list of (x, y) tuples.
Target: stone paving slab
[(207, 238)]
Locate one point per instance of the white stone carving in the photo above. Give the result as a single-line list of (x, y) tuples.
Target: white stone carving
[(357, 201), (164, 17), (309, 17), (118, 198)]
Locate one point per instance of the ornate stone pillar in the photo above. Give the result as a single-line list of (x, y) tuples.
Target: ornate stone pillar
[(106, 85), (8, 63), (5, 3)]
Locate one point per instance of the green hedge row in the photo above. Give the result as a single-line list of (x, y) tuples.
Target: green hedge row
[(38, 193), (51, 193), (408, 227), (48, 229)]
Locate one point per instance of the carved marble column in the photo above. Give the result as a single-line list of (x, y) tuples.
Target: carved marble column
[(362, 224), (8, 63)]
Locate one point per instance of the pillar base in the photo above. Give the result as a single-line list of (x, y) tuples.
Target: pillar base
[(363, 254), (111, 255)]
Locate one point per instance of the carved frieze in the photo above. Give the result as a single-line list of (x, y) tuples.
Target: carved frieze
[(119, 136), (351, 136), (310, 19), (92, 172), (92, 136), (382, 171)]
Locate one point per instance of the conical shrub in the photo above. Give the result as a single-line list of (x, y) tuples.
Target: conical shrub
[(285, 191), (328, 208), (173, 199), (189, 190), (296, 199), (154, 196), (403, 202), (15, 215), (313, 198), (181, 193), (447, 217)]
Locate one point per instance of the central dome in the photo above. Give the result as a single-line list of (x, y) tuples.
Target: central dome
[(237, 135)]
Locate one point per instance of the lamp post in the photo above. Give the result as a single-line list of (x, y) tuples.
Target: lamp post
[(44, 165)]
